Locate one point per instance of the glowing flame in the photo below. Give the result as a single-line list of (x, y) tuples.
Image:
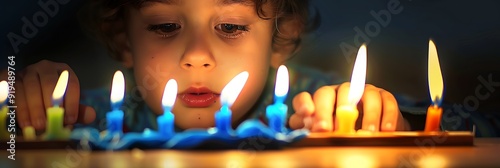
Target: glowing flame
[(434, 75), (117, 90), (282, 82), (358, 77), (169, 94), (4, 91), (233, 89), (60, 89)]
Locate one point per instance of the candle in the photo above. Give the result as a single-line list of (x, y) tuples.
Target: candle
[(166, 120), (4, 92), (276, 113), (114, 118), (347, 114), (55, 114), (228, 96), (435, 79), (29, 133)]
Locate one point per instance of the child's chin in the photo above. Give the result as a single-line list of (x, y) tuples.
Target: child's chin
[(196, 122)]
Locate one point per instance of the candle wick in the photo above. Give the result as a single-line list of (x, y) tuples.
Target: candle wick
[(436, 102)]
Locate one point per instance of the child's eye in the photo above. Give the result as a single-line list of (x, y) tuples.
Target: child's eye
[(230, 30), (165, 30)]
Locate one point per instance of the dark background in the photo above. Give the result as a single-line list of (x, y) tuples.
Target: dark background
[(467, 34)]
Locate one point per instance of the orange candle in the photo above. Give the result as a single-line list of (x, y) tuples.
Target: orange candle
[(348, 114), (436, 86), (433, 118)]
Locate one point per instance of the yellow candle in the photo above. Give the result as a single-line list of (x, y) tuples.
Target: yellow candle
[(347, 119), (347, 114), (4, 133), (55, 114), (29, 133), (433, 118)]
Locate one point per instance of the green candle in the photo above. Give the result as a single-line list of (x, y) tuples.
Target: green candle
[(4, 134), (55, 114)]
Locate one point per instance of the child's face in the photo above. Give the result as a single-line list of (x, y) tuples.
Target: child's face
[(203, 45)]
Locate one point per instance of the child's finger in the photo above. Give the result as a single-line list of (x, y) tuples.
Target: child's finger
[(303, 104), (48, 78), (390, 112), (296, 122), (34, 98), (342, 94), (341, 99), (372, 108), (72, 97), (324, 101), (22, 111), (86, 114)]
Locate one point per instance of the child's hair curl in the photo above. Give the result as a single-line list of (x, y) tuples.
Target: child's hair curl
[(105, 18)]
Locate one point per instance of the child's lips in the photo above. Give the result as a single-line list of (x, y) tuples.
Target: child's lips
[(198, 97)]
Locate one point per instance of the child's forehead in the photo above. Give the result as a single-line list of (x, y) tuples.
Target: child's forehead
[(145, 3)]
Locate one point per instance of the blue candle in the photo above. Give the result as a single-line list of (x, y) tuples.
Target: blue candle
[(115, 117), (166, 120), (277, 112), (228, 96)]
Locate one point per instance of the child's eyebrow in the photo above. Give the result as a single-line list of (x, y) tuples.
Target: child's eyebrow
[(219, 2)]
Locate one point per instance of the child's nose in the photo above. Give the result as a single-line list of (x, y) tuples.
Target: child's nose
[(198, 56), (198, 62)]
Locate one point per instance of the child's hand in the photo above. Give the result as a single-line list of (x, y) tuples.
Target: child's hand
[(34, 86), (380, 109)]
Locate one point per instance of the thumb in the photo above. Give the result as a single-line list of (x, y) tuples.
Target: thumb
[(86, 114)]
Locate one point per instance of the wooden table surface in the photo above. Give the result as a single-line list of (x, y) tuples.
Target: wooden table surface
[(485, 153)]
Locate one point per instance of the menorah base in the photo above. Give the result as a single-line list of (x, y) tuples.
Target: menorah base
[(22, 144), (405, 138)]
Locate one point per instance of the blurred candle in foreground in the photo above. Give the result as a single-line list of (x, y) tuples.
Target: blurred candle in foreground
[(55, 114), (115, 116), (166, 120), (277, 113), (436, 86), (29, 133), (228, 96), (347, 114), (4, 92)]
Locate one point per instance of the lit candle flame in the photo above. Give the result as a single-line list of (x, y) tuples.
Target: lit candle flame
[(4, 91), (117, 90), (169, 94), (60, 88), (434, 75), (358, 77), (233, 89), (282, 84)]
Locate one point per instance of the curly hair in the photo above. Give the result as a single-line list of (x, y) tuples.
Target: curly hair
[(292, 20)]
